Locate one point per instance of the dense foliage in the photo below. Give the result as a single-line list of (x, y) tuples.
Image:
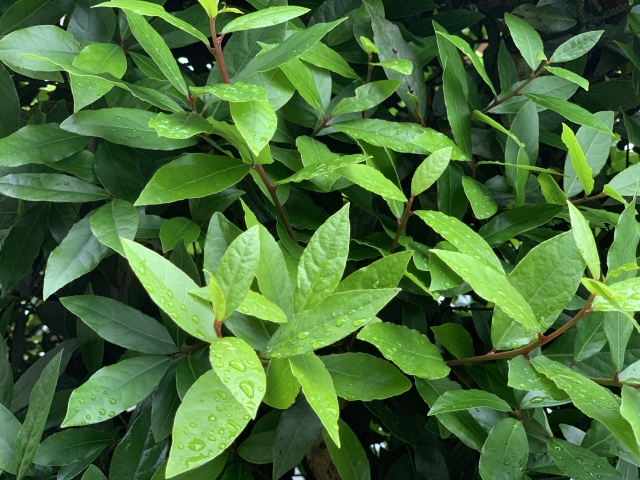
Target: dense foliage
[(382, 239)]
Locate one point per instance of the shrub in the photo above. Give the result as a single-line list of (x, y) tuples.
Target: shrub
[(331, 239)]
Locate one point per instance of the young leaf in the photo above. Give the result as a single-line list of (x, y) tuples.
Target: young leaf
[(264, 18), (578, 160), (526, 39), (455, 400), (213, 294), (576, 46), (112, 221), (400, 65), (317, 387), (569, 75), (113, 389), (324, 57), (384, 273), (256, 121), (505, 453), (584, 240), (430, 170), (551, 191), (570, 111), (282, 385), (482, 203), (323, 261), (418, 357), (256, 305), (625, 243), (179, 125), (372, 180), (272, 274), (367, 96)]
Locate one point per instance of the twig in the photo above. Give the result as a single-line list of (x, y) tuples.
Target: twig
[(401, 223), (517, 91), (276, 201)]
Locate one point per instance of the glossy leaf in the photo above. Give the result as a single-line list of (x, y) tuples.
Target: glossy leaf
[(578, 159), (175, 229), (576, 46), (367, 96), (282, 386), (569, 75), (577, 461), (350, 458), (384, 273), (258, 306), (570, 111), (256, 121), (372, 180), (458, 112), (482, 203), (455, 339), (526, 39), (505, 453), (264, 18), (507, 225), (112, 221), (455, 400), (179, 125), (70, 446), (584, 240), (430, 170), (52, 187)]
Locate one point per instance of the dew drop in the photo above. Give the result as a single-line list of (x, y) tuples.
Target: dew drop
[(113, 401)]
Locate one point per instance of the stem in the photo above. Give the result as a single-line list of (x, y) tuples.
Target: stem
[(321, 126), (401, 223), (542, 339), (216, 50), (588, 199), (517, 91), (217, 326), (276, 201)]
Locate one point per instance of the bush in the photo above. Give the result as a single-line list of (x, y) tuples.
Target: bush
[(276, 241)]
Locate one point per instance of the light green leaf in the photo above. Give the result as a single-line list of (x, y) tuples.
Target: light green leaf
[(372, 180), (114, 220), (272, 274), (627, 182), (630, 408), (114, 389), (120, 324), (125, 126), (418, 356), (625, 243), (220, 234), (526, 39), (155, 46), (457, 109), (11, 427), (576, 46), (175, 229), (51, 187), (317, 387), (169, 287), (384, 273), (264, 18), (292, 47), (321, 169), (430, 170), (324, 57), (193, 175), (455, 338), (323, 261), (303, 79), (335, 317), (506, 451), (576, 461), (478, 115), (350, 458), (282, 386), (570, 111), (234, 92), (455, 400), (367, 96), (256, 305), (237, 268), (256, 121), (578, 160), (179, 125), (40, 398), (584, 240), (211, 7), (213, 294), (569, 75), (619, 296), (592, 399), (461, 236), (44, 144), (551, 191), (492, 285), (79, 253), (359, 376), (368, 46), (482, 203), (400, 65), (524, 377)]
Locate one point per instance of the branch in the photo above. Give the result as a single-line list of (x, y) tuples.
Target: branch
[(276, 201), (401, 223), (216, 50), (542, 340)]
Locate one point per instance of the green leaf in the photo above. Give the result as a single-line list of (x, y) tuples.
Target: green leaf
[(526, 39), (551, 191), (359, 376), (570, 111), (177, 228), (272, 274), (79, 253), (471, 55), (28, 437), (590, 398), (114, 220), (618, 329), (292, 47), (302, 77), (237, 268), (525, 126), (210, 6), (627, 182), (482, 203), (576, 461), (324, 168), (256, 305), (479, 116), (179, 125), (256, 121), (576, 46), (405, 67), (630, 408), (114, 389), (368, 46), (169, 287), (625, 243), (350, 458), (323, 261), (455, 338), (155, 46), (578, 159), (619, 296), (506, 451), (461, 236), (492, 285), (430, 170), (120, 324), (43, 144), (51, 187), (524, 377), (282, 386), (335, 317), (226, 410), (235, 92), (258, 448), (507, 225), (125, 126), (367, 96), (384, 273), (317, 387), (584, 240), (10, 121), (193, 175), (6, 382), (150, 9), (7, 439), (264, 18), (93, 473), (418, 356), (458, 112), (213, 294), (455, 400), (372, 180), (569, 75), (70, 446), (220, 234), (324, 57)]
